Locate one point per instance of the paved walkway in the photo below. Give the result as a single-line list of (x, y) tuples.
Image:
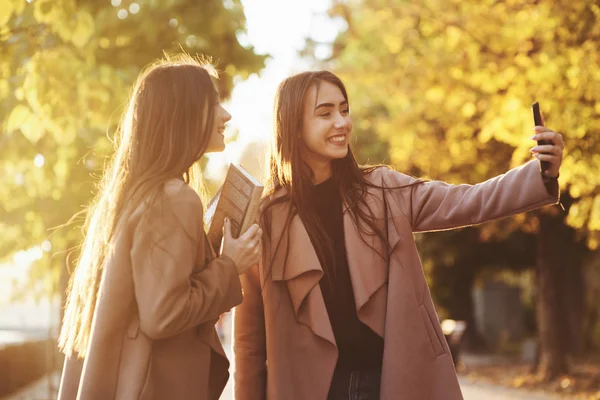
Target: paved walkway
[(482, 391), (45, 390), (41, 391)]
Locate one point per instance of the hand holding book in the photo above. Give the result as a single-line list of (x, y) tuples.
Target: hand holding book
[(245, 250), (237, 201)]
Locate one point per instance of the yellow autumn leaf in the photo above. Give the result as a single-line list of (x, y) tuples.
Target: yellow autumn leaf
[(6, 11), (17, 118), (84, 29), (594, 224)]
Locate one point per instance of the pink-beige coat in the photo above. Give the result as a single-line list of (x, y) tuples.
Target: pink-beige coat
[(284, 348), (153, 335)]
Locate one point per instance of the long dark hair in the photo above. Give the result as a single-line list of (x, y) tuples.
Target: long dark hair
[(287, 170), (163, 133)]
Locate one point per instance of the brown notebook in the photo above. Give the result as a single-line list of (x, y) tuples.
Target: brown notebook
[(237, 199)]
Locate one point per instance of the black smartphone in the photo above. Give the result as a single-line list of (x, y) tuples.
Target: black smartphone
[(537, 120)]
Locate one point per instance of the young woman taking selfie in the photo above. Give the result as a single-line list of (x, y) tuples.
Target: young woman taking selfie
[(338, 307)]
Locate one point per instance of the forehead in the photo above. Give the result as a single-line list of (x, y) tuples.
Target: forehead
[(323, 92)]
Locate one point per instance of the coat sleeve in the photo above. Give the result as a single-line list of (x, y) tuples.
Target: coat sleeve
[(70, 377), (173, 291), (437, 205), (249, 341)]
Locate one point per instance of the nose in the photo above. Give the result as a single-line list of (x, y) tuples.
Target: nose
[(225, 116), (340, 122)]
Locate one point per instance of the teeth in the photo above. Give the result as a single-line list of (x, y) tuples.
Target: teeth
[(338, 139)]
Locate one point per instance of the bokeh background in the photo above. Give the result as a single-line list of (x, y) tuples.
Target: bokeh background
[(440, 89)]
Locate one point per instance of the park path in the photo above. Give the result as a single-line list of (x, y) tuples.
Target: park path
[(43, 389), (471, 391)]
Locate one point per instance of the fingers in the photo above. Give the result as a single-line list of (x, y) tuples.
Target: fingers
[(252, 231), (539, 128), (547, 157), (227, 229), (254, 245), (547, 149), (554, 163), (551, 152), (543, 133)]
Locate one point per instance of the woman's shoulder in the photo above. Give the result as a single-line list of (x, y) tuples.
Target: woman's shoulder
[(176, 204), (387, 176), (180, 194), (276, 195)]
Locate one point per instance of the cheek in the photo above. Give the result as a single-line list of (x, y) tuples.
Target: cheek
[(313, 136)]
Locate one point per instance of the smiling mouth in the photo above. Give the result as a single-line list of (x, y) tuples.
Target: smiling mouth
[(337, 139)]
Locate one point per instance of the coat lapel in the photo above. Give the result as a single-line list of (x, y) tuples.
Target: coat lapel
[(294, 260), (368, 271)]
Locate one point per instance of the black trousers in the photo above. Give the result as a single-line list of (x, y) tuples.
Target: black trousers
[(355, 385)]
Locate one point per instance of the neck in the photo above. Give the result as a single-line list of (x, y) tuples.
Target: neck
[(321, 171)]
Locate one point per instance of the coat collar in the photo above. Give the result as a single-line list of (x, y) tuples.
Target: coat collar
[(294, 261)]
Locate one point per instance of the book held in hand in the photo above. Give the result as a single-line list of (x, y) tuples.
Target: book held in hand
[(237, 199)]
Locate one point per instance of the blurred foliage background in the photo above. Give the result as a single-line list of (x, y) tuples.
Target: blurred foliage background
[(438, 88), (443, 89), (66, 68)]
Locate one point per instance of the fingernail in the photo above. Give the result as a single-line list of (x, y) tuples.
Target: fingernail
[(532, 137)]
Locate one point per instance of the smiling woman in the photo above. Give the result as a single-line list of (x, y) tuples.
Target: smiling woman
[(250, 103), (339, 298), (326, 128)]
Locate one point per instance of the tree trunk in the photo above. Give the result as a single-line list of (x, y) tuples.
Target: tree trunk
[(589, 344), (575, 302), (551, 313), (592, 300), (462, 308), (560, 292)]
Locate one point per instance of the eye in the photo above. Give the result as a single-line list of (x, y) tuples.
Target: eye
[(325, 114)]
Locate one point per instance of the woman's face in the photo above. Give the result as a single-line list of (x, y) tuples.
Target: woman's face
[(326, 125), (217, 137)]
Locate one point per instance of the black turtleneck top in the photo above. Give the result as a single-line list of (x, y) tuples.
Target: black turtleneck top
[(360, 348)]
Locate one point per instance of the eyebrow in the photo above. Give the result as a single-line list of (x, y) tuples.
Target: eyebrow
[(326, 105)]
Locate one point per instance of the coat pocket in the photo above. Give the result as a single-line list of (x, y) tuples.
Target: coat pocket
[(436, 343)]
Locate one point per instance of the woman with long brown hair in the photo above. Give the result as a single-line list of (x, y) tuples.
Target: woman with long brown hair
[(338, 307), (147, 289)]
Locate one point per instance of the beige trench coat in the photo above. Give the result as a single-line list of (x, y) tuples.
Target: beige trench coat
[(153, 334), (284, 347)]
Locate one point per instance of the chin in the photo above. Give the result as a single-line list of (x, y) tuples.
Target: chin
[(339, 154), (215, 149)]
